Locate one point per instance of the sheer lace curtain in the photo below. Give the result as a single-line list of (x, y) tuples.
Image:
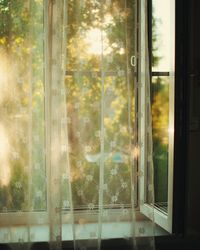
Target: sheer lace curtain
[(75, 129)]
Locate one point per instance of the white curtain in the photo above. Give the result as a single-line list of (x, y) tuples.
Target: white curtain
[(75, 124)]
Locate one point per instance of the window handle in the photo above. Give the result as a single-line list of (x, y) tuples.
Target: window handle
[(133, 61)]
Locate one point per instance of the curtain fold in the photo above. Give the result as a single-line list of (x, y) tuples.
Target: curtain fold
[(75, 133)]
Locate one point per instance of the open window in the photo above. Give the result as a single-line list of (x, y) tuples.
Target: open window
[(162, 50), (102, 64)]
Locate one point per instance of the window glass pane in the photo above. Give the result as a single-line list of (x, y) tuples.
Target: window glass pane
[(160, 122), (98, 78), (161, 35), (162, 91), (21, 106)]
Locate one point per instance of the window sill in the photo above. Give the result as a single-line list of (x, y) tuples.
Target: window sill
[(110, 230)]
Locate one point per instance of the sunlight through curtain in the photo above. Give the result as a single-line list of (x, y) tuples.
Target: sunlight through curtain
[(75, 129)]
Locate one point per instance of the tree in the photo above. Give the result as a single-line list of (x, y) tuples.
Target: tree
[(21, 102), (97, 85)]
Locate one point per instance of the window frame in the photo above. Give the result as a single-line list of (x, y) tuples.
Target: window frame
[(165, 220), (160, 218)]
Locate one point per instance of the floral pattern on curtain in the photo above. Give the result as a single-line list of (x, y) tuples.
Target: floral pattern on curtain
[(69, 123)]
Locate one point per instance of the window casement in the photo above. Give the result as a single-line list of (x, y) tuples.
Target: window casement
[(162, 40), (39, 151)]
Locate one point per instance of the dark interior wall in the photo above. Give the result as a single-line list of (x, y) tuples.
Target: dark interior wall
[(193, 131), (187, 120), (187, 131)]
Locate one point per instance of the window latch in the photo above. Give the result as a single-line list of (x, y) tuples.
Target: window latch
[(133, 61)]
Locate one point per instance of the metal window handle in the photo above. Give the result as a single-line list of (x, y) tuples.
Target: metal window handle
[(133, 61)]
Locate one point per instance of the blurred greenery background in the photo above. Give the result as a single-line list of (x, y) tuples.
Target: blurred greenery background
[(100, 42)]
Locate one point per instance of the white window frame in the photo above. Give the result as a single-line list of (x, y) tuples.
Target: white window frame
[(161, 218)]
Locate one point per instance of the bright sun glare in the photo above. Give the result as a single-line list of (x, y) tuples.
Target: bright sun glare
[(5, 172), (97, 42), (4, 157)]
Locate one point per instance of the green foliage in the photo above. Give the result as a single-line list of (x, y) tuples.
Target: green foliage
[(22, 102), (160, 118), (96, 77), (21, 41)]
